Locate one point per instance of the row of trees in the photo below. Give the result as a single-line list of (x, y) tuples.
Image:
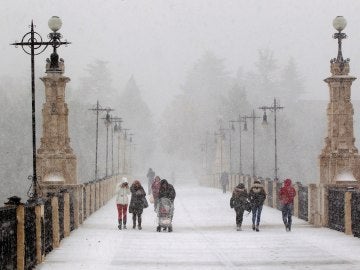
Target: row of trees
[(210, 94)]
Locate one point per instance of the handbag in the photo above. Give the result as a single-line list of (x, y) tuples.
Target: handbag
[(145, 203), (248, 206)]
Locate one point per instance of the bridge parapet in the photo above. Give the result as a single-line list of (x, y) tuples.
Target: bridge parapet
[(30, 231)]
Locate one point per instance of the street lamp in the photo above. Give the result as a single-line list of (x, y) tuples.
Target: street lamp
[(33, 44), (125, 134), (339, 24), (107, 122), (240, 120), (117, 130), (113, 120), (253, 117), (273, 108), (222, 136), (98, 109), (130, 153), (230, 156)]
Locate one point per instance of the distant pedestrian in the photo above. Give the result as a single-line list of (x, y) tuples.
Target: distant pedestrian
[(155, 188), (150, 176), (137, 202), (239, 201), (122, 201), (224, 181), (257, 196), (286, 195)]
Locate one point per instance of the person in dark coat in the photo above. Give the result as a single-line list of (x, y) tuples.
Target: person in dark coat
[(137, 202), (224, 180), (167, 191), (155, 187), (150, 176), (238, 201), (257, 196), (286, 195)]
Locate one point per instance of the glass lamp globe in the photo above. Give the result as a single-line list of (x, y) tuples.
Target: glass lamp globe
[(54, 23), (339, 23)]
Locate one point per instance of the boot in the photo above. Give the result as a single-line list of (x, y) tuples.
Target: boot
[(253, 227), (134, 221), (158, 228), (170, 229), (257, 228), (238, 227), (119, 222), (124, 220), (139, 223)]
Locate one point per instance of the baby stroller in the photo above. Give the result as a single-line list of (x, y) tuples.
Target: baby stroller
[(165, 212)]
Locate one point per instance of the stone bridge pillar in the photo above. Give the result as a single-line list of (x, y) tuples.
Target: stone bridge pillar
[(339, 155), (56, 161)]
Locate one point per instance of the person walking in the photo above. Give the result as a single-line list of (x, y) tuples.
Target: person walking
[(167, 191), (122, 201), (224, 180), (238, 201), (150, 176), (137, 202), (286, 195), (257, 196), (155, 188)]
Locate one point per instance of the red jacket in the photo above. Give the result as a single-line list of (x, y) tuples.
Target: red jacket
[(287, 193)]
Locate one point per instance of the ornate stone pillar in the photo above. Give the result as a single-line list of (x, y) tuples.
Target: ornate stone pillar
[(339, 154), (56, 162)]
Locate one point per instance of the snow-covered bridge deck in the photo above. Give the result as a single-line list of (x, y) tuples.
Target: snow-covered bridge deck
[(204, 237)]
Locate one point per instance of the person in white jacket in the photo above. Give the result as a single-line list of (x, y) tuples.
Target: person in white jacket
[(122, 201)]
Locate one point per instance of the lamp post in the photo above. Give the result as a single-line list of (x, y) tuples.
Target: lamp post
[(230, 150), (339, 24), (98, 109), (107, 122), (240, 120), (125, 130), (130, 151), (33, 44), (204, 149), (253, 117), (117, 130), (220, 134), (273, 108), (113, 120)]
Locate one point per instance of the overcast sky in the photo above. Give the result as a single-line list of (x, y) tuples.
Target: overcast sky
[(159, 41)]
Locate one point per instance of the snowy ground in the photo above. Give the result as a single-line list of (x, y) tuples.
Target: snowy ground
[(204, 237)]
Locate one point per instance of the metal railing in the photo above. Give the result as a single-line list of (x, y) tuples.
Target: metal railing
[(303, 201), (48, 226), (355, 213), (8, 237), (336, 213), (60, 196), (30, 236)]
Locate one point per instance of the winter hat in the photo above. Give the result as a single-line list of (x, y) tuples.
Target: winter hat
[(287, 182), (241, 186), (257, 182), (124, 180)]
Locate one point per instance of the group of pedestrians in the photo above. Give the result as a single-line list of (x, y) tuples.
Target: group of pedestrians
[(158, 189), (253, 202)]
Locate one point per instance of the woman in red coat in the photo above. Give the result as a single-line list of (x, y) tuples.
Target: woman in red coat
[(287, 194)]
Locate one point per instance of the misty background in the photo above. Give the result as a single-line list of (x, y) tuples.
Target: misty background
[(173, 70)]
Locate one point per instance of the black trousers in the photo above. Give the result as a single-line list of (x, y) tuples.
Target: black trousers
[(239, 215)]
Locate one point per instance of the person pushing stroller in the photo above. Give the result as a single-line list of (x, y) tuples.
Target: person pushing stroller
[(165, 207)]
